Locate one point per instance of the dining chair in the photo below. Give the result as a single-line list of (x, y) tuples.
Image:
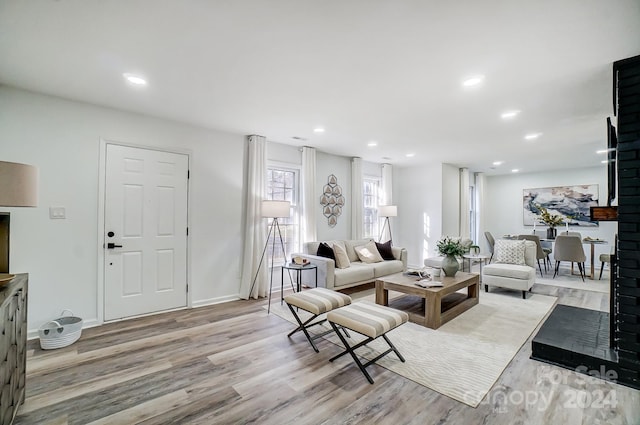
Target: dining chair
[(604, 258), (567, 233), (540, 254), (569, 248), (492, 243)]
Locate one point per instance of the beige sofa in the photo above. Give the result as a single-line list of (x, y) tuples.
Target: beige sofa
[(358, 273)]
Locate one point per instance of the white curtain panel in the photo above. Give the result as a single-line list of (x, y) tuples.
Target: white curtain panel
[(308, 213), (357, 199), (386, 197), (255, 225), (465, 228), (480, 211)]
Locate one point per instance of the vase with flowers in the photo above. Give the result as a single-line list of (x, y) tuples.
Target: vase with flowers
[(551, 220), (450, 248)]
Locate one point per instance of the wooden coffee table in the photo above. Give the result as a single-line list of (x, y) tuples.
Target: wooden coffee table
[(439, 305)]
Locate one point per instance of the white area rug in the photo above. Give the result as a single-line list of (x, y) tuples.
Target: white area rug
[(464, 357)]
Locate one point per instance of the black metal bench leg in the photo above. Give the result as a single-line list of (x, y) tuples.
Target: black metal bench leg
[(303, 327), (393, 347), (350, 351)]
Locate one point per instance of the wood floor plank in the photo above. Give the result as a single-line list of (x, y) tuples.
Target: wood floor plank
[(233, 363), (148, 409), (98, 383)]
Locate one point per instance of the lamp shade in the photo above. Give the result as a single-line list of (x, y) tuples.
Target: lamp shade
[(18, 185), (275, 209), (388, 210)]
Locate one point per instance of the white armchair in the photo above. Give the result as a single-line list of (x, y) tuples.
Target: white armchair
[(510, 275)]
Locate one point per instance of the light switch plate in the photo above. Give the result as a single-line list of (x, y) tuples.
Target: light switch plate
[(57, 212)]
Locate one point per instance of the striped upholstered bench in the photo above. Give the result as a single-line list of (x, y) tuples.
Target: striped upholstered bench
[(316, 301), (371, 320)]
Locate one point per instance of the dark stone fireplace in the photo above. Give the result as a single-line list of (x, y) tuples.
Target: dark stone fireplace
[(581, 339)]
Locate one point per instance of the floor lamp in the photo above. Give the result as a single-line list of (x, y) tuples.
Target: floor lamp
[(18, 188), (387, 211), (274, 210)]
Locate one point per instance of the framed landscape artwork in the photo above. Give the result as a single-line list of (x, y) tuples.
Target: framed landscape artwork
[(571, 202)]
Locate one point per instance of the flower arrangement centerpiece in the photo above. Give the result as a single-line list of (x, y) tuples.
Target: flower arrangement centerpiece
[(450, 248), (551, 220)]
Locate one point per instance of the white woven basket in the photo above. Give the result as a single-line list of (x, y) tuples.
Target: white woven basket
[(60, 332)]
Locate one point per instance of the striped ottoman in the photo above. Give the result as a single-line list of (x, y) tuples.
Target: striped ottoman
[(371, 320), (316, 301)]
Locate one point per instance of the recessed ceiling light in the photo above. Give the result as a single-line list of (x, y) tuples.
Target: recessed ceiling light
[(604, 151), (498, 162), (509, 114), (605, 161), (515, 170), (473, 81), (410, 155), (135, 79), (318, 130), (372, 144), (532, 136)]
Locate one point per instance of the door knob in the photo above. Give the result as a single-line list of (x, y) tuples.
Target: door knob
[(111, 245)]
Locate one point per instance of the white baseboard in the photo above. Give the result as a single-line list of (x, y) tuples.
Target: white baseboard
[(212, 301)]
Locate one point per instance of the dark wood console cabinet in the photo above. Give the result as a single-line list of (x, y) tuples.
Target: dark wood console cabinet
[(13, 346)]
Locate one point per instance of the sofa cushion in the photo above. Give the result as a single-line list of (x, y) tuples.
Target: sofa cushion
[(510, 252), (358, 272), (368, 253), (326, 251), (385, 250), (342, 260), (385, 268), (350, 247), (513, 271)]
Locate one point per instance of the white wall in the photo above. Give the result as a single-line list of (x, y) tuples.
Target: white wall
[(504, 210), (450, 200), (62, 138), (418, 193), (339, 166)]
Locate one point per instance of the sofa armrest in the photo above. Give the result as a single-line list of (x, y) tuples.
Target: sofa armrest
[(400, 254), (326, 271)]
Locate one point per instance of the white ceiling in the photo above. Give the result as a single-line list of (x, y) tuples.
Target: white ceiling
[(388, 71)]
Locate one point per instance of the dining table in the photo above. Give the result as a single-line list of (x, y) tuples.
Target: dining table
[(593, 243), (585, 241)]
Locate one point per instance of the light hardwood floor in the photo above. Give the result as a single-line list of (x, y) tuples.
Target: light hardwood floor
[(233, 364)]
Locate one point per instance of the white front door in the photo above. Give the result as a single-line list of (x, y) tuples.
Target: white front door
[(145, 231)]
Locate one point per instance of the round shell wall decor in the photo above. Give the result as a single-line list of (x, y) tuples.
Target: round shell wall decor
[(332, 200)]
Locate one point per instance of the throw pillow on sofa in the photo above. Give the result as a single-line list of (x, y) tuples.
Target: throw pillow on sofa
[(368, 253), (342, 259), (510, 252), (324, 250), (385, 250)]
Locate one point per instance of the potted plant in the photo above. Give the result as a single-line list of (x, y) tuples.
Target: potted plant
[(551, 220), (450, 248)]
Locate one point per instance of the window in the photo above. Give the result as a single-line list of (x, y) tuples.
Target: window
[(370, 206), (282, 185)]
